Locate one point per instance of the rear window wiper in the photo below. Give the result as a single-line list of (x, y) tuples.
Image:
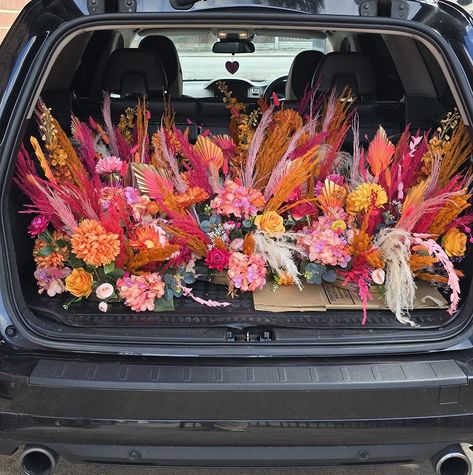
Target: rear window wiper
[(183, 4)]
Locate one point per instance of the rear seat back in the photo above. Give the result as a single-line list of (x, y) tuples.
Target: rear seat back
[(339, 70)]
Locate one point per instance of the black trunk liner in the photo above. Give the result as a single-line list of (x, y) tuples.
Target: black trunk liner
[(240, 313)]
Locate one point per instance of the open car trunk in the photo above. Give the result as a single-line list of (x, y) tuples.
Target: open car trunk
[(190, 321), (338, 320)]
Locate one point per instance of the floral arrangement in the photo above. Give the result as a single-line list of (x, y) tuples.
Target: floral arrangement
[(131, 219)]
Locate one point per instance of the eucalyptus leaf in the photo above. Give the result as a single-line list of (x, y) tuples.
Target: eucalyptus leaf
[(45, 251), (247, 223), (109, 268), (189, 278), (330, 276), (206, 226), (215, 220)]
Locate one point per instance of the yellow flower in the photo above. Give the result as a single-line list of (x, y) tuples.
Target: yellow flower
[(454, 243), (339, 225), (79, 283), (271, 223), (284, 278), (366, 195)]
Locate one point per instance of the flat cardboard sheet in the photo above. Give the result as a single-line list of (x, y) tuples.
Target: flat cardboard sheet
[(320, 298)]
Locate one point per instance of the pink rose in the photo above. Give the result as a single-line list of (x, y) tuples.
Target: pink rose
[(303, 209), (104, 291), (217, 259), (38, 225)]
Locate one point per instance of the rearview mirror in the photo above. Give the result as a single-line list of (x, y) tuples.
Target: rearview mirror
[(233, 47)]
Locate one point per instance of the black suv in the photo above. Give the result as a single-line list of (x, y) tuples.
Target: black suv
[(210, 387)]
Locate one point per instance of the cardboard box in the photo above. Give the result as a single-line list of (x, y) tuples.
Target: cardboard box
[(320, 298)]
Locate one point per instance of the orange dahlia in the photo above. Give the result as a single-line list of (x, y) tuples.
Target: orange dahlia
[(58, 257), (149, 237), (94, 245)]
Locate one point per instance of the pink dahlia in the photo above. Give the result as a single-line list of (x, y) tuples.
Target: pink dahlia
[(107, 165), (238, 200), (141, 291), (246, 273)]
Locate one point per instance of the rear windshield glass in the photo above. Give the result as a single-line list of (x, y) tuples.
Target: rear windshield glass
[(272, 58)]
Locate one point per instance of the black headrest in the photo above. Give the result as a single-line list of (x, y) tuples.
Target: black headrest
[(166, 51), (134, 72), (339, 70), (302, 70)]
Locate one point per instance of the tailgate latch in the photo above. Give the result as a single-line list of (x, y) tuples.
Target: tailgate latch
[(249, 335), (385, 8)]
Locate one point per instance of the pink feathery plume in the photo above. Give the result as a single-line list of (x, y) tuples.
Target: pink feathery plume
[(330, 110), (410, 217), (209, 303), (255, 145), (84, 139), (171, 160), (61, 208), (360, 277), (124, 150), (33, 186), (454, 187), (199, 171), (434, 249), (107, 117)]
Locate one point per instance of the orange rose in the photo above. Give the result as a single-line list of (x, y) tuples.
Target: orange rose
[(271, 223), (79, 283), (454, 243)]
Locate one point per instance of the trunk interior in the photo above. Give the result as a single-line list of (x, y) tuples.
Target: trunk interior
[(68, 90)]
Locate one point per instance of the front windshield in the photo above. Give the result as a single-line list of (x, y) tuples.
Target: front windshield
[(272, 58)]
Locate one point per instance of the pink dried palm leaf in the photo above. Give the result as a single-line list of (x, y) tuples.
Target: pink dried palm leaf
[(249, 174), (152, 182)]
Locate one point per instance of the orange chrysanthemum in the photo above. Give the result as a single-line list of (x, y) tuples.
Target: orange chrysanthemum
[(57, 258), (94, 245)]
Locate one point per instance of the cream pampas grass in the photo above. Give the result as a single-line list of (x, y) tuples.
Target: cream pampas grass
[(395, 244), (279, 252)]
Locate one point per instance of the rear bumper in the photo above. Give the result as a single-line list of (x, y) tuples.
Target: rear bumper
[(279, 414)]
